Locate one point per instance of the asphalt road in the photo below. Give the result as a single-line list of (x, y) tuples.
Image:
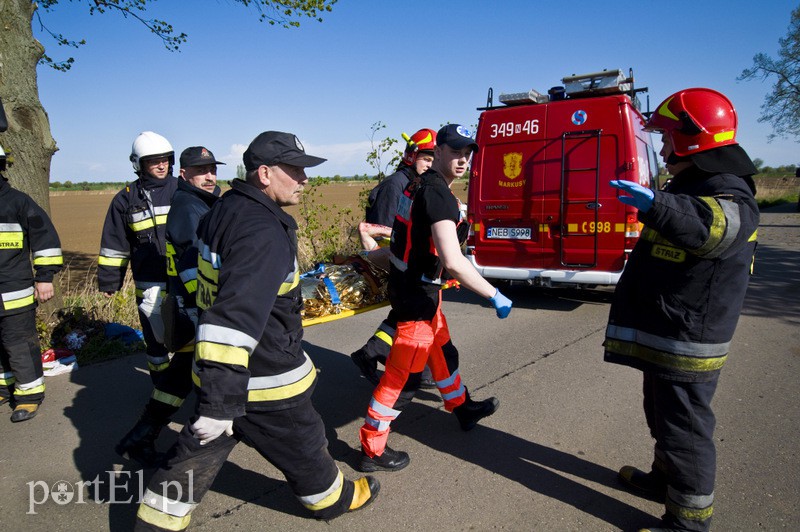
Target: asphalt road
[(547, 460)]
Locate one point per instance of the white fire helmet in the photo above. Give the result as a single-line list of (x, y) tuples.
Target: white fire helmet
[(149, 145)]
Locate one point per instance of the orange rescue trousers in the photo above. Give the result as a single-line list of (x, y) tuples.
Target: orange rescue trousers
[(416, 344)]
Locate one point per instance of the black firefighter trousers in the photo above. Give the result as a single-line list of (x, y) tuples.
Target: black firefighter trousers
[(293, 440), (680, 419), (21, 358)]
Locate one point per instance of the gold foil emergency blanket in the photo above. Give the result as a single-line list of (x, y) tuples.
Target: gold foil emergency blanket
[(353, 289)]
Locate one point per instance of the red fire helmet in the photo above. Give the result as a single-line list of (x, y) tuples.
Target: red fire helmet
[(696, 120), (422, 140)]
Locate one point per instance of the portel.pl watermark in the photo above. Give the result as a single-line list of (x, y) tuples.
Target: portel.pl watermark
[(112, 487)]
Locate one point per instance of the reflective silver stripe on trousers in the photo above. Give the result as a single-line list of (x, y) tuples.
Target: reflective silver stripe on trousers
[(453, 395), (317, 497), (382, 409), (378, 424), (690, 501), (167, 506), (30, 385)]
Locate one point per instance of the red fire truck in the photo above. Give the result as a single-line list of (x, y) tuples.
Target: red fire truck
[(539, 203)]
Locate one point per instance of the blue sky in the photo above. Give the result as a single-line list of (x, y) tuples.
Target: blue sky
[(408, 64)]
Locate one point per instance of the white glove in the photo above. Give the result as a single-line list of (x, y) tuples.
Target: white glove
[(151, 307), (207, 429)]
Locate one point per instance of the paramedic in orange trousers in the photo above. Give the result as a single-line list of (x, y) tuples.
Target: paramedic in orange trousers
[(425, 253)]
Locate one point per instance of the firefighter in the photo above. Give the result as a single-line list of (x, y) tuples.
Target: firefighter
[(254, 381), (134, 232), (25, 230), (425, 251), (197, 191), (676, 306), (375, 232)]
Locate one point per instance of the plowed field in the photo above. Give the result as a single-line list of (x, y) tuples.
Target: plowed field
[(78, 217)]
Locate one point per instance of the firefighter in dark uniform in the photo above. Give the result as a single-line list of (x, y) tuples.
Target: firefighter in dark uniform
[(426, 250), (135, 232), (380, 213), (25, 230), (254, 381), (197, 191), (677, 303)]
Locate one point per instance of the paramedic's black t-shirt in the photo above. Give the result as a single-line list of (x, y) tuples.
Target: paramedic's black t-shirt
[(411, 298)]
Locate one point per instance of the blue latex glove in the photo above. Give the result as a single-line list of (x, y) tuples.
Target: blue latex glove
[(640, 197), (502, 305)]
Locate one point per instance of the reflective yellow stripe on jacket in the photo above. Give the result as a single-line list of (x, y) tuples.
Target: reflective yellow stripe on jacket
[(48, 257), (272, 387), (17, 299), (113, 257), (283, 386), (144, 219), (216, 343), (11, 236), (208, 264)]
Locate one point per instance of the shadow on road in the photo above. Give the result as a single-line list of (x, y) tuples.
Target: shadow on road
[(113, 394), (541, 469), (774, 288), (342, 396), (111, 397)]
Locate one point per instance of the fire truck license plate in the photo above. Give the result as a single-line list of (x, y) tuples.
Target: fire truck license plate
[(510, 233)]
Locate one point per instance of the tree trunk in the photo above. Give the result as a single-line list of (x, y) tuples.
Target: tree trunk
[(28, 138)]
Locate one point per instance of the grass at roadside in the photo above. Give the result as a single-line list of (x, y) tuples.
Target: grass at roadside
[(79, 322)]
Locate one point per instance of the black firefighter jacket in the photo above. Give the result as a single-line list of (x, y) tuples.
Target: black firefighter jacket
[(677, 303), (25, 229), (189, 204), (134, 232), (248, 346)]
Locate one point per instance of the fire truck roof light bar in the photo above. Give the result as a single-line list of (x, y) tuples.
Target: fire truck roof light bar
[(518, 98), (604, 82)]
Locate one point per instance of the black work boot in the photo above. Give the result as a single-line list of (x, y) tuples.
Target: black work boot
[(390, 460), (139, 444), (652, 485), (367, 366), (470, 412)]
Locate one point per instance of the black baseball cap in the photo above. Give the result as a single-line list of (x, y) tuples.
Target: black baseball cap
[(197, 156), (456, 136), (273, 147)]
